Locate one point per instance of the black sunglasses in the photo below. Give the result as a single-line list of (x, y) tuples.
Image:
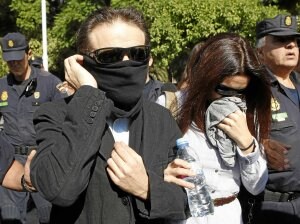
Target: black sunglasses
[(227, 91), (111, 55), (30, 88), (285, 39)]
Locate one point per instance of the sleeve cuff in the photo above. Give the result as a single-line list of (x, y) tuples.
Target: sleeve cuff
[(251, 157)]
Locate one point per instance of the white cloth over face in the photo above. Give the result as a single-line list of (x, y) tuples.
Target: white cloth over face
[(216, 112)]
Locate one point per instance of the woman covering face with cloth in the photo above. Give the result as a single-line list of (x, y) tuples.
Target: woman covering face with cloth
[(224, 114)]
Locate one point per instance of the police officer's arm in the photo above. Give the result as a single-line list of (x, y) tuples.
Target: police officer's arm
[(11, 171), (12, 178), (276, 154)]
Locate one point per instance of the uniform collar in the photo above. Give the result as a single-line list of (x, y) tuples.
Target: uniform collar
[(293, 76), (33, 74)]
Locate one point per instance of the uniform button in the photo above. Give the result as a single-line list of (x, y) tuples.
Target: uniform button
[(90, 120), (125, 201), (93, 114), (98, 103), (216, 171), (94, 108)]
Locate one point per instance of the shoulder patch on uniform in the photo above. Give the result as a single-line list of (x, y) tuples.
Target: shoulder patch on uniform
[(36, 95), (275, 106), (4, 96)]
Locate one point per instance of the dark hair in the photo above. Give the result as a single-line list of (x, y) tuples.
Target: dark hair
[(27, 50), (184, 76), (109, 15), (222, 56)]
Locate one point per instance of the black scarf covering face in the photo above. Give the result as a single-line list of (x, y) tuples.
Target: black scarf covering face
[(123, 82)]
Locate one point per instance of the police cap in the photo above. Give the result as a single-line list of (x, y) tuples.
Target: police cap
[(281, 25), (36, 61), (13, 46)]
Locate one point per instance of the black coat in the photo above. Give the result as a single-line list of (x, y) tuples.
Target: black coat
[(69, 168)]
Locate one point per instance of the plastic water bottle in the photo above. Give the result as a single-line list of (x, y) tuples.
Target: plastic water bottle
[(200, 202)]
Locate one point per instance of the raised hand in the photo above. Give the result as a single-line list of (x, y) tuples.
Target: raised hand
[(127, 170), (77, 75), (235, 126)]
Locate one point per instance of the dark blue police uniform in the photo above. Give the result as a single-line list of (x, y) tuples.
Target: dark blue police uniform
[(18, 102), (282, 195), (280, 202), (6, 157)]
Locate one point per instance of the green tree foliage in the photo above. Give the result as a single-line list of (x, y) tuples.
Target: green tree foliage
[(62, 34), (175, 26), (27, 19), (178, 25), (293, 6), (7, 18)]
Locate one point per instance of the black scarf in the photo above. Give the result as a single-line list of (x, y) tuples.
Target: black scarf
[(123, 82)]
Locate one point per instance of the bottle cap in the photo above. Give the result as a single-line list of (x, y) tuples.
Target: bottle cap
[(181, 141)]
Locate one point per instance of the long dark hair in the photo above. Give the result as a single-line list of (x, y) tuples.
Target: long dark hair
[(108, 15), (222, 56)]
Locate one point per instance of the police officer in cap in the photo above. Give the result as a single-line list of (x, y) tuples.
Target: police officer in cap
[(37, 62), (22, 91), (277, 46)]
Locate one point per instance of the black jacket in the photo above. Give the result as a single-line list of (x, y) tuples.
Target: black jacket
[(285, 128), (69, 168)]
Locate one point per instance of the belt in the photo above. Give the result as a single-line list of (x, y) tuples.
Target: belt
[(224, 201), (280, 197), (24, 150)]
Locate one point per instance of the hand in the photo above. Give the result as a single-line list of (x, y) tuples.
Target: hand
[(65, 87), (27, 170), (12, 178), (235, 126), (126, 169), (75, 74), (176, 170), (276, 154)]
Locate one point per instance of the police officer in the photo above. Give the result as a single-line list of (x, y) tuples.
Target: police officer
[(278, 49), (37, 62), (22, 91)]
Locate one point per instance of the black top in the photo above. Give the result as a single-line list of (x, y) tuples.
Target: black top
[(154, 88), (285, 128), (74, 144)]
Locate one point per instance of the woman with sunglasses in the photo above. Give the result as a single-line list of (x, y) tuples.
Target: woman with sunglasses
[(102, 152), (226, 86)]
